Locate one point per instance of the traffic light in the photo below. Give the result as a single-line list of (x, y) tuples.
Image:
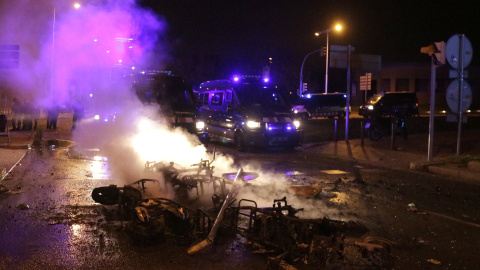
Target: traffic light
[(304, 87), (438, 53), (323, 52)]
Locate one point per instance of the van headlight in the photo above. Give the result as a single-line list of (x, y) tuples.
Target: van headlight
[(296, 123), (369, 107), (295, 111), (200, 125), (253, 124)]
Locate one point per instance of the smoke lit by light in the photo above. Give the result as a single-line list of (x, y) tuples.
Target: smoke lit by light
[(63, 45), (156, 142)]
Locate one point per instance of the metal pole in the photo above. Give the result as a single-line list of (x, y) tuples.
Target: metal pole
[(347, 117), (460, 94), (301, 68), (433, 79), (53, 56), (326, 64), (336, 130), (392, 140), (362, 129), (213, 232)]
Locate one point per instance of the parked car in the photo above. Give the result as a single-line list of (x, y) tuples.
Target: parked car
[(248, 112), (321, 105), (390, 104)]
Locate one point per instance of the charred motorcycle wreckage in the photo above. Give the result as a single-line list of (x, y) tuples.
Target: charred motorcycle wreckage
[(275, 230)]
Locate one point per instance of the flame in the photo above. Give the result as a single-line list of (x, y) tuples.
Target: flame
[(159, 142)]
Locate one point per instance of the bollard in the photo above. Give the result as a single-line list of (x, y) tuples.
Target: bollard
[(362, 129), (393, 135), (335, 135)]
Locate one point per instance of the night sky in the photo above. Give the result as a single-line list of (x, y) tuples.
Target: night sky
[(246, 32), (213, 39)]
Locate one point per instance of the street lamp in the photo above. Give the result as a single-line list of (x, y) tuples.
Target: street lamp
[(338, 27)]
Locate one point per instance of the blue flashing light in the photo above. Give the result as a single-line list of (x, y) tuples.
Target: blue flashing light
[(266, 79), (236, 78)]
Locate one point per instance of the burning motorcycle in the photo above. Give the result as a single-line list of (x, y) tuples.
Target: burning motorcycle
[(198, 177), (150, 218)]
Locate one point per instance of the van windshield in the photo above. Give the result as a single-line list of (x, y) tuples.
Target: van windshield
[(168, 91), (256, 95)]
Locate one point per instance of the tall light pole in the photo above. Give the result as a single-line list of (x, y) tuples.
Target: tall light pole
[(76, 6), (53, 55), (338, 27)]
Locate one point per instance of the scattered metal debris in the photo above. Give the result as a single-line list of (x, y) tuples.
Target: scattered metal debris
[(433, 261), (200, 176), (317, 242), (213, 232), (23, 206), (275, 230), (3, 189), (305, 190), (149, 219)]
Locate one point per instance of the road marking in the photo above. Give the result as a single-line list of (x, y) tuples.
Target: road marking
[(334, 172), (454, 219)]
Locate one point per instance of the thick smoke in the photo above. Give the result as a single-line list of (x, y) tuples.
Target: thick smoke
[(70, 54)]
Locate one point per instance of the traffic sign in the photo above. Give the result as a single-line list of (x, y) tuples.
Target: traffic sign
[(340, 48), (357, 61), (452, 96), (366, 82), (453, 51)]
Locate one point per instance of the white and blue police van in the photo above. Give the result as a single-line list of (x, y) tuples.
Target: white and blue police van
[(248, 112)]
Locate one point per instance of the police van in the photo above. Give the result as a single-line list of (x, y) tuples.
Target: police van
[(328, 105), (174, 97), (248, 112)]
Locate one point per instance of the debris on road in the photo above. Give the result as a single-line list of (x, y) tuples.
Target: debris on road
[(433, 261), (23, 206), (276, 230), (412, 207), (307, 191)]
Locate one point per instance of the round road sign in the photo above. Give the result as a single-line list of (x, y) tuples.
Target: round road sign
[(452, 51), (452, 96)]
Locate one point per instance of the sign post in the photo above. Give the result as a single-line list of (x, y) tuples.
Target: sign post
[(436, 51), (459, 54), (366, 84)]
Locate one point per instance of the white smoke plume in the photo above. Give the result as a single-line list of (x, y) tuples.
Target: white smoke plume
[(69, 54)]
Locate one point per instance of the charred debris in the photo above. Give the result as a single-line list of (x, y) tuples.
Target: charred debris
[(276, 231)]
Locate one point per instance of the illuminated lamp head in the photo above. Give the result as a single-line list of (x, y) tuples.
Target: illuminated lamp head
[(236, 78), (266, 79), (309, 95)]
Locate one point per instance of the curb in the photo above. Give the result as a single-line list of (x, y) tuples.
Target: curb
[(17, 146), (474, 166), (455, 172)]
